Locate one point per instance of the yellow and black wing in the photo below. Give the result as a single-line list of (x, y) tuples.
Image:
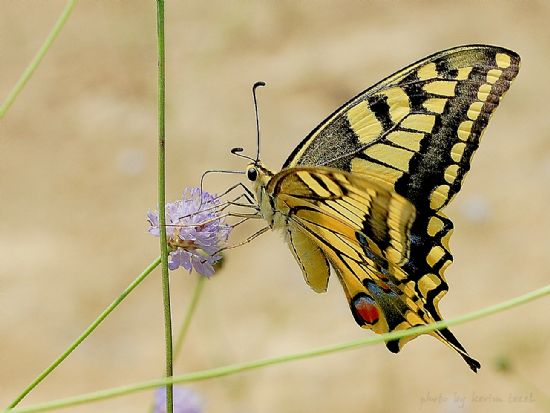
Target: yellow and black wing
[(361, 226), (417, 130)]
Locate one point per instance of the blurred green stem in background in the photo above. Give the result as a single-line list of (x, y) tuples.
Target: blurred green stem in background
[(86, 332), (535, 392), (29, 70), (251, 365), (189, 316), (161, 182)]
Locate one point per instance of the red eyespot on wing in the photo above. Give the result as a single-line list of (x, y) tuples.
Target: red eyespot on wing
[(365, 310)]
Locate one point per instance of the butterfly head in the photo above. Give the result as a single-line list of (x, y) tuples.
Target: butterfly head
[(258, 174)]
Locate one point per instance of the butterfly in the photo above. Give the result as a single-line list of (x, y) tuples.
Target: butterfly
[(364, 192)]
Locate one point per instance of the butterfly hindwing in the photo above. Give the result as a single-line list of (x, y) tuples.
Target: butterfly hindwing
[(356, 223), (309, 256), (340, 205), (362, 227)]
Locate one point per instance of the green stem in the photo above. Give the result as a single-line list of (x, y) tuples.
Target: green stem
[(186, 323), (86, 332), (162, 201), (189, 316), (29, 70), (237, 368)]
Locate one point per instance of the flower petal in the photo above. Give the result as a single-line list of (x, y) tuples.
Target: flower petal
[(196, 219)]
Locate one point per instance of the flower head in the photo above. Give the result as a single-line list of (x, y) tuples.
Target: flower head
[(195, 231), (185, 400)]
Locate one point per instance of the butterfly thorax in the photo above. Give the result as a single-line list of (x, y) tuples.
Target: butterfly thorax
[(260, 176)]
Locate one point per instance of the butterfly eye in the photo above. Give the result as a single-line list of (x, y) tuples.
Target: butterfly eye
[(252, 173)]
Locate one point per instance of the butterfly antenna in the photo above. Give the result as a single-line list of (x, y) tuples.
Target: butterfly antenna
[(256, 86), (237, 152)]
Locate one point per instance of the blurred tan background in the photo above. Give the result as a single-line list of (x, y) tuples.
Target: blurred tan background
[(78, 173)]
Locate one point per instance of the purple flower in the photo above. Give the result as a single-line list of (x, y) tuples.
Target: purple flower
[(195, 231), (185, 400)]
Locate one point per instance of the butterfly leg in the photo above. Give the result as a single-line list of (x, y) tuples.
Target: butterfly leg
[(222, 207), (247, 194), (246, 241)]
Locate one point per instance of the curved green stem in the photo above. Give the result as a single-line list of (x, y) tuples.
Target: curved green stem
[(189, 316), (86, 333), (161, 204), (29, 70), (237, 368)]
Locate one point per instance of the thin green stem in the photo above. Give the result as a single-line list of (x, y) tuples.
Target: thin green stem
[(189, 316), (29, 70), (162, 201), (186, 322), (240, 367), (86, 332)]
